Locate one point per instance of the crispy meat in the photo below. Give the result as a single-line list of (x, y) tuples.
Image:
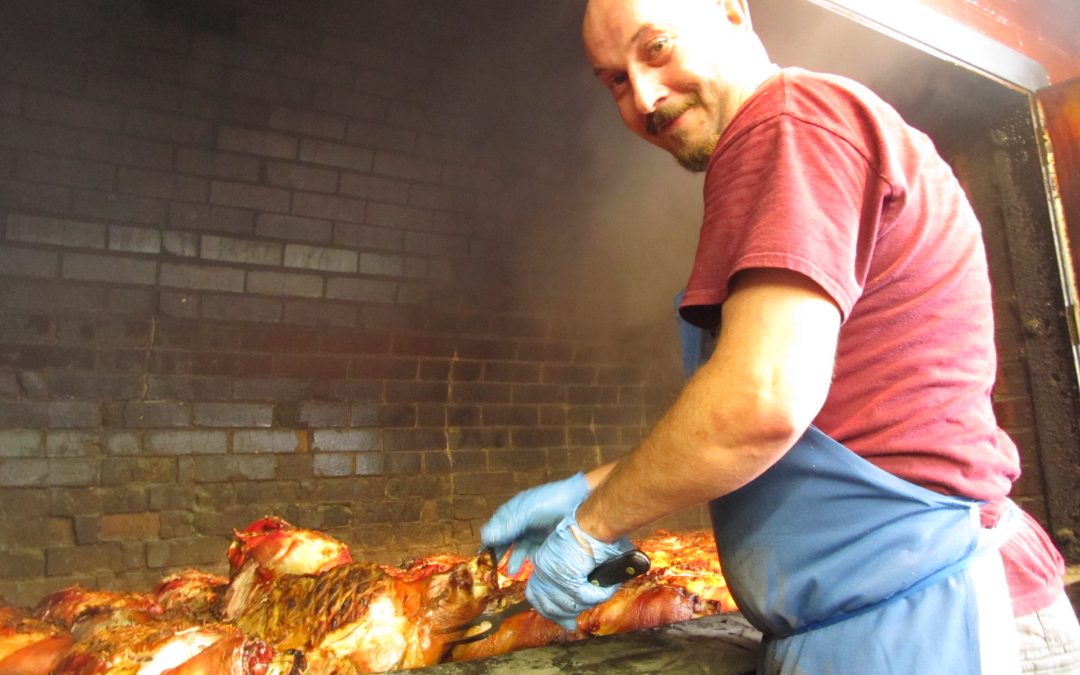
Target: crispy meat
[(29, 646), (295, 603), (167, 647), (368, 615)]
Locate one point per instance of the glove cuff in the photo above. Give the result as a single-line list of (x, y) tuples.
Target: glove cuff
[(578, 486), (600, 551)]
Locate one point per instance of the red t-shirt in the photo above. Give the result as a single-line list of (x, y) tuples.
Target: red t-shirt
[(818, 175)]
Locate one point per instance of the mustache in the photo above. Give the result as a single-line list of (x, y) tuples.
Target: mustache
[(662, 116)]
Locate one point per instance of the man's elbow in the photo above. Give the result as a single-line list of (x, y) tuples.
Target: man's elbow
[(767, 425)]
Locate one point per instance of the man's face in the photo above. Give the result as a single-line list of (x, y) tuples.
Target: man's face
[(673, 68)]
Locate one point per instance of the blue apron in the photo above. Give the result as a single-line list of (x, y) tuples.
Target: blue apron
[(846, 568)]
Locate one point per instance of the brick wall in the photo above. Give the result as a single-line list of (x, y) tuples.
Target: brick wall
[(269, 271), (302, 260)]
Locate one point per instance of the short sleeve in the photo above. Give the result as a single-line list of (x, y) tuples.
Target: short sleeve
[(792, 194)]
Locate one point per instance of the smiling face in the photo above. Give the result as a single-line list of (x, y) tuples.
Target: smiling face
[(678, 69)]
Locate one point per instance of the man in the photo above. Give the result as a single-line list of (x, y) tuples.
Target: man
[(842, 428)]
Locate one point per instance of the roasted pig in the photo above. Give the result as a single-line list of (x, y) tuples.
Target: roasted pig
[(295, 603), (171, 648), (29, 646), (364, 618)]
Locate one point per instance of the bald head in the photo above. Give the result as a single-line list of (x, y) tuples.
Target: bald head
[(678, 69)]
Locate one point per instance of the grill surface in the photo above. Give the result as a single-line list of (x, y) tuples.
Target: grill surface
[(723, 644)]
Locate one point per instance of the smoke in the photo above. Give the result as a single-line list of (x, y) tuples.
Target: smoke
[(599, 221)]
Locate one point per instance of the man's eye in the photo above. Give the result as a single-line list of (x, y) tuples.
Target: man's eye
[(616, 81), (658, 46)]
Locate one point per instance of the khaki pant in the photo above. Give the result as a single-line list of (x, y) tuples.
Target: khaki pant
[(1050, 639)]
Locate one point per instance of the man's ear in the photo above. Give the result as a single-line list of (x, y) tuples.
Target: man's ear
[(737, 12)]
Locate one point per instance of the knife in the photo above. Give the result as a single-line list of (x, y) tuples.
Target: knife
[(622, 567)]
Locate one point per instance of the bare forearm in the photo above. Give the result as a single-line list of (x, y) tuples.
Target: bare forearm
[(737, 416), (690, 457), (597, 475)]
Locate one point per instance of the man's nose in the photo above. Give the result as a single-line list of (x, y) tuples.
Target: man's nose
[(649, 91)]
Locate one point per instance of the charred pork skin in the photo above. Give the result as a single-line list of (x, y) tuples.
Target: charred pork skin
[(29, 646), (74, 604), (363, 618), (169, 648), (191, 594), (271, 548)]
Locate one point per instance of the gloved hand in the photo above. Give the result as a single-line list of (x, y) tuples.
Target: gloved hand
[(529, 516), (558, 587)]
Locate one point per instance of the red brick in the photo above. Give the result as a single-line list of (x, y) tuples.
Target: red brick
[(270, 87), (257, 142), (381, 136), (433, 244), (329, 207), (65, 171), (526, 393), (233, 415), (301, 177), (218, 164), (21, 196), (9, 100), (333, 464), (565, 374), (364, 236), (296, 228), (281, 283), (167, 126), (163, 185), (202, 277), (231, 308), (349, 102), (161, 66), (374, 188), (361, 290), (116, 269), (254, 197), (26, 262), (447, 148), (310, 366), (210, 47), (323, 314), (211, 218), (335, 154), (398, 165), (55, 231), (189, 552), (511, 372), (310, 69), (76, 112), (129, 527), (307, 123), (467, 392), (502, 415), (414, 115), (130, 90), (345, 441), (436, 197), (112, 206)]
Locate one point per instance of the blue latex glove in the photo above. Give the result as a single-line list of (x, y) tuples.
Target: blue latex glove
[(529, 516), (558, 587)]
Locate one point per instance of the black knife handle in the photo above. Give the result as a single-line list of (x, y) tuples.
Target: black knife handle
[(622, 567)]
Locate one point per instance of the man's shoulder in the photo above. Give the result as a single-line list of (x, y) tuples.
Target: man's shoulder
[(809, 92), (833, 103)]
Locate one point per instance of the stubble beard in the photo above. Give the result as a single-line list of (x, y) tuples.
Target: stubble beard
[(695, 156), (692, 155)]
